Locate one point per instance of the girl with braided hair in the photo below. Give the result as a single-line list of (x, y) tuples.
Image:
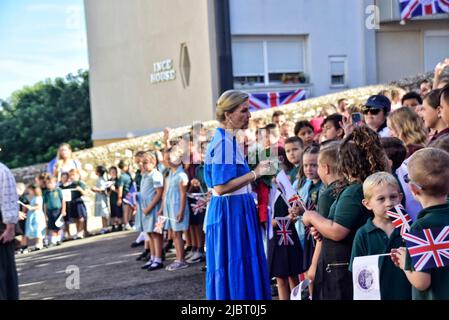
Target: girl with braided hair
[(360, 155)]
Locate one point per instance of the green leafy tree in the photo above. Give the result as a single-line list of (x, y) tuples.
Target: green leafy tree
[(37, 119)]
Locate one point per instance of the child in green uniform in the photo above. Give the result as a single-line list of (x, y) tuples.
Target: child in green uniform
[(124, 183), (293, 150), (378, 235), (54, 205), (327, 170), (428, 179)]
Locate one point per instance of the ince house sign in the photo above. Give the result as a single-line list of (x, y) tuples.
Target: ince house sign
[(163, 71)]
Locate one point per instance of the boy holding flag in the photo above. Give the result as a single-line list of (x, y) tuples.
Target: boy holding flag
[(428, 179), (378, 236)]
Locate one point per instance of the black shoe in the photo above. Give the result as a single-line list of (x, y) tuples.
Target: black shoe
[(120, 227), (142, 256), (137, 244), (204, 269), (146, 266), (188, 249), (159, 265)]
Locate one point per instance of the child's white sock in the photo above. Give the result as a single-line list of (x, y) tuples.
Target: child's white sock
[(158, 260), (152, 258)]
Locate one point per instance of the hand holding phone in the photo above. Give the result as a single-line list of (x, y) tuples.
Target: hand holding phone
[(356, 118)]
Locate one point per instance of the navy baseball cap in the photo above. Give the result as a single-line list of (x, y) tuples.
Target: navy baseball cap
[(378, 101)]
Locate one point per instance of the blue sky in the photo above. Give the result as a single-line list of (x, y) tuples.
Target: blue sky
[(40, 39)]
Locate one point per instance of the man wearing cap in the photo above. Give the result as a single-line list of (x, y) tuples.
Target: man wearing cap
[(375, 112), (9, 212)]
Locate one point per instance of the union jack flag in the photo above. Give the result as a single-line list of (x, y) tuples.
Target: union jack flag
[(296, 200), (266, 100), (428, 248), (131, 197), (199, 202), (416, 8), (284, 233), (159, 227), (400, 218)]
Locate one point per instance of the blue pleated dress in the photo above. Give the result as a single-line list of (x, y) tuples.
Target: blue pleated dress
[(236, 263)]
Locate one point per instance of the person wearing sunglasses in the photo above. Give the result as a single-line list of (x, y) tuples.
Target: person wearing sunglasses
[(375, 113)]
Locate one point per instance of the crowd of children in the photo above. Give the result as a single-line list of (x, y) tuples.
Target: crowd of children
[(349, 167)]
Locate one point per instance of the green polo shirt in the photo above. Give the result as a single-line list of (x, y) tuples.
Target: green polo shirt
[(348, 210), (293, 174), (326, 199), (432, 217), (371, 240), (53, 199), (125, 181)]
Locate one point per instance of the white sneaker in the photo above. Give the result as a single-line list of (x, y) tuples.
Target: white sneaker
[(128, 227), (197, 257), (189, 255)]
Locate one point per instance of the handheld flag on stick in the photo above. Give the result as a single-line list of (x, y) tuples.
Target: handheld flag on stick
[(288, 192), (199, 202), (428, 248), (400, 218), (284, 232), (159, 228), (131, 197), (366, 277)]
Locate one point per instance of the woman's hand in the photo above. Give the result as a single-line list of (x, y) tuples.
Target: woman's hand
[(263, 168), (159, 212), (439, 68), (398, 257)]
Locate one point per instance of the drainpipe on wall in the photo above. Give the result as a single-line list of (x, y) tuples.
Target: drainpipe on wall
[(224, 45)]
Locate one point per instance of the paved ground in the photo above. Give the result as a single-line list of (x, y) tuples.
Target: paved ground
[(107, 270)]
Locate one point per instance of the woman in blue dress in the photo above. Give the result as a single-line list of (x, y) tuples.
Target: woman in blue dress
[(236, 262)]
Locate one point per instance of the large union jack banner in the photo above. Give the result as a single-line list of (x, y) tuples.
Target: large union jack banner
[(417, 8), (400, 218), (428, 248), (265, 100)]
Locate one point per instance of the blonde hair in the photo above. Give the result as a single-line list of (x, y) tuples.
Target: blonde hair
[(409, 126), (377, 179), (329, 155), (228, 102), (428, 169)]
